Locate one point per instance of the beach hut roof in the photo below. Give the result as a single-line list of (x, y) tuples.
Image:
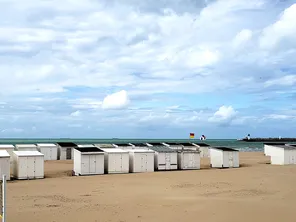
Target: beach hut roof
[(105, 145), (4, 153), (201, 144), (88, 149), (114, 150), (156, 144), (140, 150), (272, 144), (162, 148), (122, 144), (140, 144), (28, 153), (67, 144), (173, 144), (186, 144), (7, 146), (46, 145), (25, 145), (224, 148), (286, 147), (86, 145)]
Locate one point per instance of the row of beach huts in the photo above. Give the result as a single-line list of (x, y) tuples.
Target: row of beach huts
[(26, 161)]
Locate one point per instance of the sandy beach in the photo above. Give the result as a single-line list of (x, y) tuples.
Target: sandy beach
[(257, 191)]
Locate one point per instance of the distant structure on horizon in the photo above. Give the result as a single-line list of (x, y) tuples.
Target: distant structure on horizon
[(203, 137)]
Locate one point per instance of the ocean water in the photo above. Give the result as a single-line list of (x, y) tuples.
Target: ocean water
[(233, 143)]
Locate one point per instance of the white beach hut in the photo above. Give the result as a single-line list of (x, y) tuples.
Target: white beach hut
[(28, 165), (116, 160), (26, 147), (203, 148), (50, 150), (4, 164), (141, 160), (66, 150), (268, 147), (164, 157), (188, 159), (283, 154), (88, 161), (8, 147), (224, 157)]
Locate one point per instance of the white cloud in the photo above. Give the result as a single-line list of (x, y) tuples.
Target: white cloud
[(242, 38), (283, 30), (279, 117), (225, 114), (116, 100), (76, 113), (12, 130), (288, 80), (86, 103)]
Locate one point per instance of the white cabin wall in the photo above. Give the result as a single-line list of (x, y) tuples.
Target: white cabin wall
[(39, 167), (216, 158), (225, 159), (277, 156), (77, 162), (125, 163), (236, 159), (5, 167)]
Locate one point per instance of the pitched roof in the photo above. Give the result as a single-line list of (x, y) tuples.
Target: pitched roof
[(224, 148), (187, 144), (89, 149), (67, 144), (162, 148), (272, 144), (140, 144), (202, 144)]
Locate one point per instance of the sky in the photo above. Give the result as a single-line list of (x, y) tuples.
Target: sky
[(147, 69)]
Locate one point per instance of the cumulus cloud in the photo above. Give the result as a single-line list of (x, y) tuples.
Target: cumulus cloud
[(242, 37), (118, 100), (224, 115), (76, 113), (288, 80), (282, 31)]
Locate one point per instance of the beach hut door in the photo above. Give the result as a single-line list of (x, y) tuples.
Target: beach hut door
[(92, 163), (168, 161), (191, 160), (230, 156), (31, 163), (143, 162), (186, 160), (292, 160), (68, 153)]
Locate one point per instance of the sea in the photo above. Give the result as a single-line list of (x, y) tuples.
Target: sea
[(232, 143)]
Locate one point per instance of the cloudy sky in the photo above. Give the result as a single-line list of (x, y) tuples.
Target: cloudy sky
[(147, 69)]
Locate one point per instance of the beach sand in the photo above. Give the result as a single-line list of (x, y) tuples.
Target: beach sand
[(255, 192)]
